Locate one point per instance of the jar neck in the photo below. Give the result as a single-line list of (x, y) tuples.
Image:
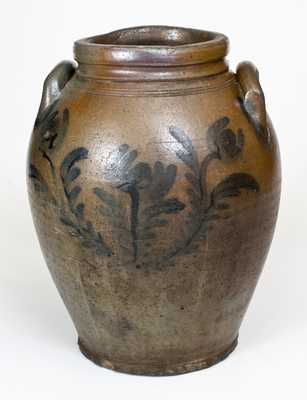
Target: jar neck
[(152, 53), (149, 73)]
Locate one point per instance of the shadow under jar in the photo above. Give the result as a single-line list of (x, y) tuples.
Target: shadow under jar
[(154, 182)]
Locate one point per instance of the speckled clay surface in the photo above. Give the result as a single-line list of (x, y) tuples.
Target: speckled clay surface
[(154, 182)]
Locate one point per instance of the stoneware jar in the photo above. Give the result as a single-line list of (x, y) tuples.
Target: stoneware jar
[(154, 182)]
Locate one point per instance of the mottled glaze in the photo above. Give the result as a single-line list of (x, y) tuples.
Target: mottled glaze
[(154, 182)]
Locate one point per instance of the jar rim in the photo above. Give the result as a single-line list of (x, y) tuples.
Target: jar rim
[(152, 45)]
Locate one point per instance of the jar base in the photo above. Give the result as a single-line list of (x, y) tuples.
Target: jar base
[(156, 369)]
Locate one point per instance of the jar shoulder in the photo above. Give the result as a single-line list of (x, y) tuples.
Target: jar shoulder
[(159, 129)]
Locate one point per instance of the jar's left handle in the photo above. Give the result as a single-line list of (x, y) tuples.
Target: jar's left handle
[(54, 84)]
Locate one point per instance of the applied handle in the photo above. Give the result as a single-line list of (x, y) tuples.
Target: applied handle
[(55, 83), (253, 97)]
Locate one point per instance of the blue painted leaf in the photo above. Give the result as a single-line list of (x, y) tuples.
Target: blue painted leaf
[(233, 184), (187, 154), (106, 197), (72, 174), (74, 193), (169, 206), (74, 156)]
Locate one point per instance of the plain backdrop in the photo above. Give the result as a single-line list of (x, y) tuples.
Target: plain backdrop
[(39, 358)]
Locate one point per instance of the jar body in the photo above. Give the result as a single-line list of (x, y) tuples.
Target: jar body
[(155, 209)]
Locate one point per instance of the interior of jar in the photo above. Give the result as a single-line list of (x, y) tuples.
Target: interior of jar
[(153, 36)]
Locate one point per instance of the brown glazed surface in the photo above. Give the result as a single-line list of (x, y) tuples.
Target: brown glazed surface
[(154, 182)]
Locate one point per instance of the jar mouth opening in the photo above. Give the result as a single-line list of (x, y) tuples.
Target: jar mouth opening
[(152, 45)]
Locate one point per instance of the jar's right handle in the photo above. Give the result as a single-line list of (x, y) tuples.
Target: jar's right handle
[(253, 98)]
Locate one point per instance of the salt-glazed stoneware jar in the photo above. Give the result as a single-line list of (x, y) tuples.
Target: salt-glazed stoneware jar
[(154, 182)]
